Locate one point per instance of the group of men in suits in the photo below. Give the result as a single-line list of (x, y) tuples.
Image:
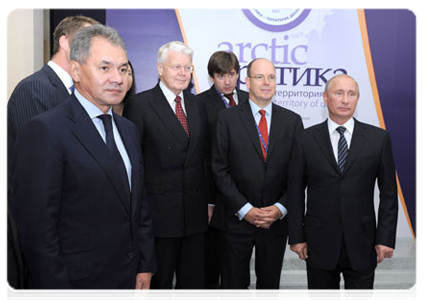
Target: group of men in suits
[(190, 185)]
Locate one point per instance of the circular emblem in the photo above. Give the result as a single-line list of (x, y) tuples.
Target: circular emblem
[(276, 19)]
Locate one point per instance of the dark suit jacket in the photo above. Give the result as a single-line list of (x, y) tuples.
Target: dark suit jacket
[(174, 164), (35, 94), (341, 205), (214, 104), (78, 226), (241, 173)]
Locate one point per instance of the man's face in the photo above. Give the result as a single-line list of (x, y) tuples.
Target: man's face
[(175, 73), (341, 99), (103, 78), (226, 82), (262, 81)]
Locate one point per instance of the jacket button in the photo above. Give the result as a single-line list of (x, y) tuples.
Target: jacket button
[(131, 255)]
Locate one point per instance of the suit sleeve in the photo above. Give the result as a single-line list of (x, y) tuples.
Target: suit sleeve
[(297, 128), (145, 232), (296, 194), (388, 205), (233, 199), (36, 186)]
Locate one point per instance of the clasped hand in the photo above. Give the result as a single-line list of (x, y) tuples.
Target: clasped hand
[(263, 217)]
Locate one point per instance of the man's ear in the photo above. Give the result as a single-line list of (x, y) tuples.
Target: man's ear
[(64, 43), (75, 69)]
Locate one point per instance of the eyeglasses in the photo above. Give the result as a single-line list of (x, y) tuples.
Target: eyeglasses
[(260, 78), (178, 68)]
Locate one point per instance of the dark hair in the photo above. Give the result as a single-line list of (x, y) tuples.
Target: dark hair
[(133, 88), (222, 62), (68, 27)]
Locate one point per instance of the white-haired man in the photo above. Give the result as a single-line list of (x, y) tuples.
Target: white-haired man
[(172, 126)]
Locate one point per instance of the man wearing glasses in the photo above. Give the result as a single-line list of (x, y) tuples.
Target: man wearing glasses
[(250, 159), (172, 127)]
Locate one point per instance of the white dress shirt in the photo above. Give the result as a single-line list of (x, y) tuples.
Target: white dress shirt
[(334, 135)]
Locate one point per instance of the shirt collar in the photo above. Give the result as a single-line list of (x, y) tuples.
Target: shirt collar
[(349, 125), (170, 96), (92, 110), (63, 75), (255, 108)]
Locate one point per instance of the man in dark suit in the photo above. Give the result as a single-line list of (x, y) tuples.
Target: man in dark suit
[(339, 161), (35, 94), (251, 153), (172, 126), (80, 208), (48, 87), (223, 69)]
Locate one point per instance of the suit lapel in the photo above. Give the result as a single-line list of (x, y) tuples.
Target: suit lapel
[(357, 142), (250, 126), (322, 138), (87, 134), (215, 99), (55, 81), (168, 117), (276, 128), (194, 121)]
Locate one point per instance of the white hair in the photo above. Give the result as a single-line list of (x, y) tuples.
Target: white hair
[(175, 46)]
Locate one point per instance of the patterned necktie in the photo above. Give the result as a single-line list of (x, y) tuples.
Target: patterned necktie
[(342, 148), (181, 115), (111, 144), (72, 89), (264, 134), (231, 99)]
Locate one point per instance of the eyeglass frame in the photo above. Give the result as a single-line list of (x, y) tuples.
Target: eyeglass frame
[(257, 77)]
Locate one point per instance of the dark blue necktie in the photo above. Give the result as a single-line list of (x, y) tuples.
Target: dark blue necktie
[(342, 148), (111, 144)]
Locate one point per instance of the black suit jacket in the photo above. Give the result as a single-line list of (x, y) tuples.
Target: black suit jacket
[(241, 173), (340, 206), (214, 104), (78, 226), (35, 94), (174, 164)]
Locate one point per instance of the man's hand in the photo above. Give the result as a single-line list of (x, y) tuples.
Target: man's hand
[(253, 216), (210, 212), (383, 252), (300, 249), (269, 215), (143, 281)]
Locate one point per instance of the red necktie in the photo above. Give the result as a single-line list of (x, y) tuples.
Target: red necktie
[(264, 134), (181, 115), (231, 99)]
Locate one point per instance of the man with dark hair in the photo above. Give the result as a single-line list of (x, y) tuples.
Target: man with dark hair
[(77, 190), (223, 69)]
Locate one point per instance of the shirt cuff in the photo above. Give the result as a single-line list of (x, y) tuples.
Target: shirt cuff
[(243, 211), (282, 208)]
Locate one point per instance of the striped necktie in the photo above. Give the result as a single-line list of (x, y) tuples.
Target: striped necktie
[(342, 148)]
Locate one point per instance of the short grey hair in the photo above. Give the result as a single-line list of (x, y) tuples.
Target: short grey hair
[(329, 82), (175, 46), (81, 43)]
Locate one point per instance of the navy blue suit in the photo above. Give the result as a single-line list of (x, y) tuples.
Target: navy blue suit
[(78, 227)]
